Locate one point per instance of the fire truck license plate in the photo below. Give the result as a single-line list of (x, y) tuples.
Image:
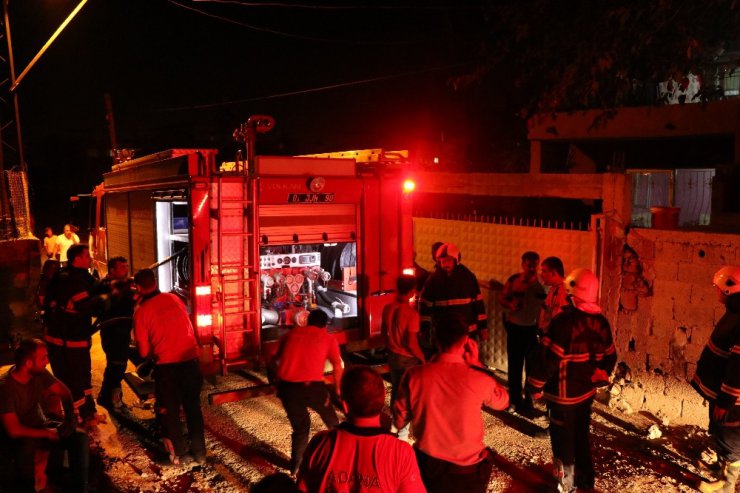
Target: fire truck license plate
[(310, 198)]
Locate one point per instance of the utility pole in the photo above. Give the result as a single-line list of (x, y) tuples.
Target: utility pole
[(111, 128)]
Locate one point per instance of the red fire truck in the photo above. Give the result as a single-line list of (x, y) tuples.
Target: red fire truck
[(252, 245)]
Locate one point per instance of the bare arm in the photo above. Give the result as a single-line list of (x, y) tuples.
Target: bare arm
[(412, 338), (15, 429), (504, 297), (338, 366)]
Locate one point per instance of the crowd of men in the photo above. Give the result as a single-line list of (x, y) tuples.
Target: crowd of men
[(47, 414), (556, 333)]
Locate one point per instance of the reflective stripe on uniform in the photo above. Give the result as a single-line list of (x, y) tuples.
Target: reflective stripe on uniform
[(62, 343)]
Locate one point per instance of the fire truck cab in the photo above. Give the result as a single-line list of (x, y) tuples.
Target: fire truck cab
[(252, 246)]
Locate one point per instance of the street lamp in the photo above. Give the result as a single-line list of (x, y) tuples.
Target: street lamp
[(15, 82)]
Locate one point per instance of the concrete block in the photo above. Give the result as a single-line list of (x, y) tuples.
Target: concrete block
[(659, 350), (686, 313), (663, 311), (665, 269), (694, 410), (705, 295), (645, 249), (697, 273), (673, 250), (700, 334), (713, 254), (662, 329), (634, 395), (693, 351), (677, 290)]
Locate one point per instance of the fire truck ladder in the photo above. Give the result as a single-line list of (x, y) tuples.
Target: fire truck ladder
[(237, 268)]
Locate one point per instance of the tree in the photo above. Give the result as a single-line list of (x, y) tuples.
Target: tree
[(575, 54)]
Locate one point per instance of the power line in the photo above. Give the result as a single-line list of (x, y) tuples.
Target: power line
[(313, 89), (292, 35)]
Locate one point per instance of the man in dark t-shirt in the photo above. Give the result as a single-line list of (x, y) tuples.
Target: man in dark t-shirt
[(26, 393)]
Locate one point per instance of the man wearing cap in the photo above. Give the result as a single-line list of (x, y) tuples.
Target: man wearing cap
[(717, 379), (576, 356), (453, 288)]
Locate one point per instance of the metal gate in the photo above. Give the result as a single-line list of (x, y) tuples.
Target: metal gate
[(493, 252)]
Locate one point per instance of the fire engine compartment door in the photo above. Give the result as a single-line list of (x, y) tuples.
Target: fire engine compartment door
[(308, 223), (130, 223)]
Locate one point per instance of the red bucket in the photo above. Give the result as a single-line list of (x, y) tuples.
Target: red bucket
[(664, 217)]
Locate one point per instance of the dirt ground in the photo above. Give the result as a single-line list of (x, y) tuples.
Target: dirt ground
[(249, 439)]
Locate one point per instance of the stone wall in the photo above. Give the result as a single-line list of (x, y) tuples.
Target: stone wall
[(663, 308)]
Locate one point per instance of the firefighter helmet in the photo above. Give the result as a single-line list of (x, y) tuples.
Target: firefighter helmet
[(448, 250), (727, 280), (583, 287)]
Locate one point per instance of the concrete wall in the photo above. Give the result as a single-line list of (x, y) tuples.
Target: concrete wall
[(663, 308)]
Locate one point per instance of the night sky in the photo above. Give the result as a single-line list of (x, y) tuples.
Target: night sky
[(180, 78)]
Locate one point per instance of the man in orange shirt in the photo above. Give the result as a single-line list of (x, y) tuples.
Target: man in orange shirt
[(300, 360), (165, 335), (400, 329), (442, 400)]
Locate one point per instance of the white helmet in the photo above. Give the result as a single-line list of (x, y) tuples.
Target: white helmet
[(583, 287), (727, 280), (448, 250)]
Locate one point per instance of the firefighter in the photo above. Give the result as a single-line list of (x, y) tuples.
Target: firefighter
[(70, 305), (717, 379), (452, 288), (576, 356), (300, 360), (522, 297), (115, 325)]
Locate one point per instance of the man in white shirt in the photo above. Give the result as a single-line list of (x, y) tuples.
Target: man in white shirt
[(65, 241)]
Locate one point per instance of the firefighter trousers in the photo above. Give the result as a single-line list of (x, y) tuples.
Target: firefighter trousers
[(571, 444), (297, 398), (727, 438), (72, 365), (115, 341)]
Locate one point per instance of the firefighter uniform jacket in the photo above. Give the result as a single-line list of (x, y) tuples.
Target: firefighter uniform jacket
[(717, 376), (568, 358), (455, 293), (70, 306)]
